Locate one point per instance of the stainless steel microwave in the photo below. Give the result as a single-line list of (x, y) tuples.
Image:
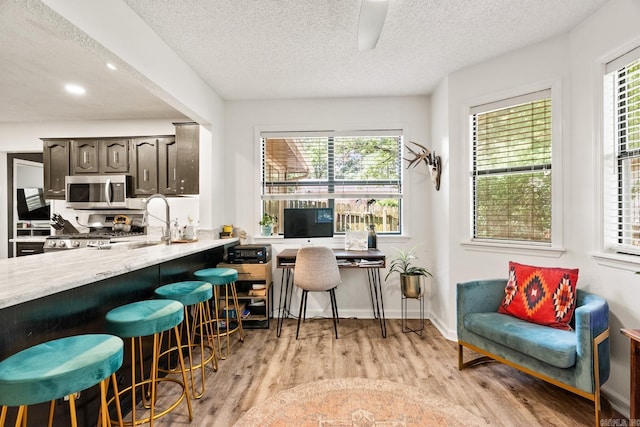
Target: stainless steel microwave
[(100, 192)]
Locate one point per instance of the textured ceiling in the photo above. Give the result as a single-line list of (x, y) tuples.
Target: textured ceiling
[(292, 48), (264, 49)]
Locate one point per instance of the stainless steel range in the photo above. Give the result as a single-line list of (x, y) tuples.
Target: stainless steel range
[(84, 240), (104, 227)]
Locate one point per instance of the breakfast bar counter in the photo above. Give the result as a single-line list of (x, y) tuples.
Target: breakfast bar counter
[(37, 276), (64, 293)]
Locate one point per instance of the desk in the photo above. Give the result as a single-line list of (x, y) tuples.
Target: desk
[(371, 261), (634, 399)]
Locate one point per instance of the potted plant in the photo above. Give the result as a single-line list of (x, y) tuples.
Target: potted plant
[(266, 223), (409, 274)]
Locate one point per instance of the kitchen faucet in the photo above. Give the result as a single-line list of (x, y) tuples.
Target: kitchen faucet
[(166, 234)]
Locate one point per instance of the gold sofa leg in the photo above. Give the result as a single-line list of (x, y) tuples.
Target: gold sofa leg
[(462, 364)]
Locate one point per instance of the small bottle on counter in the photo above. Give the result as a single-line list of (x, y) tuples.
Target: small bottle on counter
[(175, 230), (372, 238)]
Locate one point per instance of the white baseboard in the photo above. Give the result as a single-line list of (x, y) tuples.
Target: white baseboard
[(618, 402)]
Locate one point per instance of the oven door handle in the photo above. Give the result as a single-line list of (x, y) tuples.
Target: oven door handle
[(107, 191)]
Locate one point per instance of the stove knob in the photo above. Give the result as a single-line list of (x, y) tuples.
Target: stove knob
[(61, 244), (51, 243), (76, 244)]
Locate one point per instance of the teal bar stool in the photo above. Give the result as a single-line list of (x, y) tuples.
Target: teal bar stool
[(142, 319), (61, 368), (193, 295), (231, 321)]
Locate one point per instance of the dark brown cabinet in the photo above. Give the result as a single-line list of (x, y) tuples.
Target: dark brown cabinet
[(166, 164), (114, 156), (144, 165), (178, 161), (99, 156), (56, 167), (84, 156)]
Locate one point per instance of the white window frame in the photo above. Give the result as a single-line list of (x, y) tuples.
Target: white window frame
[(556, 247), (627, 257), (398, 128)]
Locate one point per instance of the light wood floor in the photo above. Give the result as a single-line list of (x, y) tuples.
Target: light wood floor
[(265, 364)]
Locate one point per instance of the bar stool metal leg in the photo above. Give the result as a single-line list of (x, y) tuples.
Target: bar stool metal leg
[(201, 326), (150, 319), (197, 324), (223, 325), (219, 277)]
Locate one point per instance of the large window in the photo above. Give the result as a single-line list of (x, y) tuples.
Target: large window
[(622, 154), (358, 174), (511, 169)]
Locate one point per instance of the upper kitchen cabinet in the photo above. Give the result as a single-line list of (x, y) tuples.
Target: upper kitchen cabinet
[(84, 156), (144, 165), (114, 156), (56, 167), (166, 164), (178, 161), (99, 156)]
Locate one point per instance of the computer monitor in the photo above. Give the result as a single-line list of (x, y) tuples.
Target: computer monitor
[(308, 223)]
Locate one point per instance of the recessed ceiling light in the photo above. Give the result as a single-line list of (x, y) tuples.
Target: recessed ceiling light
[(111, 66), (75, 89)]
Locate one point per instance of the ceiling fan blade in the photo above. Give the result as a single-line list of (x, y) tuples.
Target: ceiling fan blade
[(372, 16)]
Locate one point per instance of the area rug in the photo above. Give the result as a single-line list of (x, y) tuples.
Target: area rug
[(357, 402)]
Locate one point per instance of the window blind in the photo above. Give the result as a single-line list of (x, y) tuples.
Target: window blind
[(333, 165), (511, 171), (622, 167)]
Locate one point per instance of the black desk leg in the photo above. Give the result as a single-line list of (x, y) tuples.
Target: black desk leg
[(290, 273), (375, 286), (285, 298), (372, 292)]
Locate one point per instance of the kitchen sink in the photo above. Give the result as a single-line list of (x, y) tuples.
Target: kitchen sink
[(145, 244), (131, 245)]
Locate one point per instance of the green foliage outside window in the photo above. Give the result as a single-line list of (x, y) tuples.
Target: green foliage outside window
[(512, 173), (346, 173)]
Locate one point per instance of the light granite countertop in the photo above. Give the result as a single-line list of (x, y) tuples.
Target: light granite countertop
[(27, 278)]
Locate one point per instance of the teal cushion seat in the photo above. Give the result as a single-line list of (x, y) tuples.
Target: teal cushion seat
[(550, 345), (190, 292), (144, 318), (217, 276), (58, 368)]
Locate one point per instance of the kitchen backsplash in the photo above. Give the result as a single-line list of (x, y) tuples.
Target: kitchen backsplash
[(181, 208)]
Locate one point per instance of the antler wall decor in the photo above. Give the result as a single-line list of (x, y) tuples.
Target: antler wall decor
[(433, 162)]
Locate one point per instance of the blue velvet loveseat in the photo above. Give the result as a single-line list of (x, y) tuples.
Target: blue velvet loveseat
[(576, 360)]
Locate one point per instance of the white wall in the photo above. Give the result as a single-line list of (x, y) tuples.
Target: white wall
[(574, 61), (509, 75), (244, 120), (609, 33), (440, 227)]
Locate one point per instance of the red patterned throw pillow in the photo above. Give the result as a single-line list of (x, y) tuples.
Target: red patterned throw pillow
[(542, 295)]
